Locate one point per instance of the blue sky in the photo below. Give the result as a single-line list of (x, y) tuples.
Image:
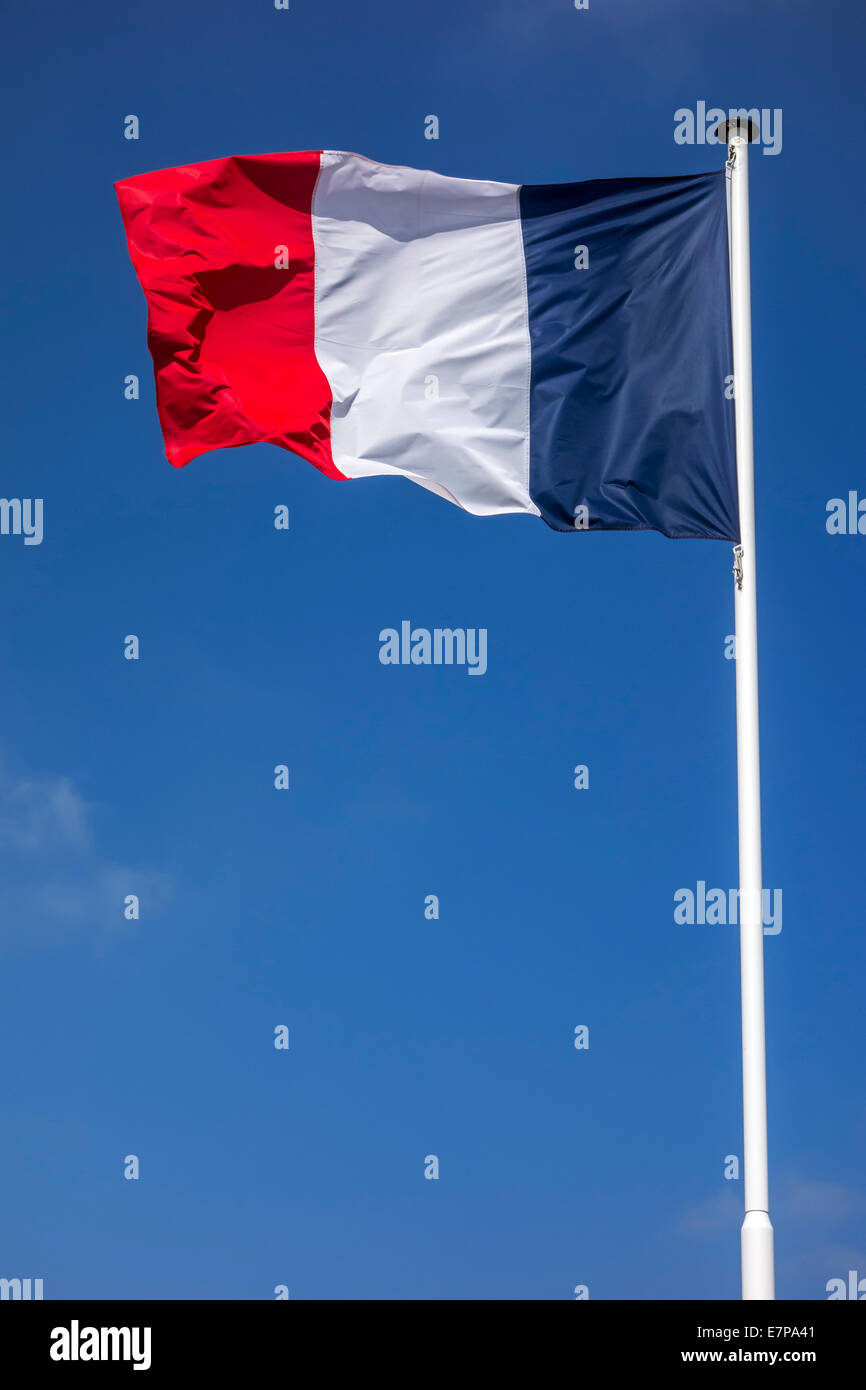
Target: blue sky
[(411, 1037)]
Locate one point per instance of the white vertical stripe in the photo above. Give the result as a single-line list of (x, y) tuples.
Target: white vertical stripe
[(422, 330)]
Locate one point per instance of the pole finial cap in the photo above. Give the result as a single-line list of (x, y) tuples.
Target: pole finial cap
[(742, 126)]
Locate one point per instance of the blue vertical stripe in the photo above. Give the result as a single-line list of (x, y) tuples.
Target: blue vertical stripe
[(628, 410)]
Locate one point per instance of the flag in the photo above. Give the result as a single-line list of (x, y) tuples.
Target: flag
[(562, 350)]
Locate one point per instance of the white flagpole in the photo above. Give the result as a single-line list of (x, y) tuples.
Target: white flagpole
[(757, 1231)]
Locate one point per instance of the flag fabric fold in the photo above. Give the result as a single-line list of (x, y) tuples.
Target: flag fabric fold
[(562, 350)]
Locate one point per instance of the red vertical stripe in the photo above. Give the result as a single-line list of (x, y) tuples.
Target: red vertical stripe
[(231, 330)]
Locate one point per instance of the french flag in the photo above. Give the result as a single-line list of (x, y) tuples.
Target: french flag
[(562, 350)]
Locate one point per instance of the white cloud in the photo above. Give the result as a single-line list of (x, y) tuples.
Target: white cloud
[(55, 885), (805, 1199), (36, 816), (721, 1212)]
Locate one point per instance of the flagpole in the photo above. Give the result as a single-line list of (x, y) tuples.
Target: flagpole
[(756, 1240)]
